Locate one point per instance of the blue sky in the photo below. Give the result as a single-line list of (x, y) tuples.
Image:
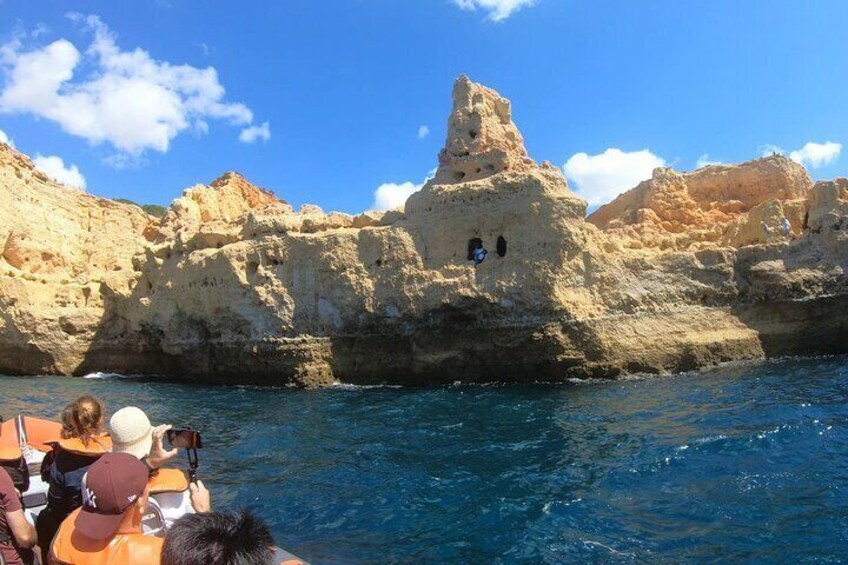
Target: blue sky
[(329, 98)]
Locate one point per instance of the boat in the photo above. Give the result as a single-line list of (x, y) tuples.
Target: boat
[(24, 443)]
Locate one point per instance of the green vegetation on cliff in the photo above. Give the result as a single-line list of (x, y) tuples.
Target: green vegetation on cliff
[(152, 209)]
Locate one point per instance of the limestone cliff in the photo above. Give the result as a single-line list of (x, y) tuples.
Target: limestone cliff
[(712, 204), (234, 285), (64, 253), (482, 140)]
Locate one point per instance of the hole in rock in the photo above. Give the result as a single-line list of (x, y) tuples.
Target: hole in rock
[(501, 246), (473, 134), (473, 243), (252, 267), (458, 175)]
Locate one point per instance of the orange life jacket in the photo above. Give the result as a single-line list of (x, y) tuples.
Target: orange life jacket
[(72, 548), (167, 480), (96, 446)]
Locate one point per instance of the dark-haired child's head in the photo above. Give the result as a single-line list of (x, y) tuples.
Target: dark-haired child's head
[(218, 538)]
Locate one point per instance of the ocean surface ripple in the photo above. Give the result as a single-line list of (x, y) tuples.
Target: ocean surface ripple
[(742, 464)]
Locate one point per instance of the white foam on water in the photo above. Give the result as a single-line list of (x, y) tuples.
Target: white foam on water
[(550, 504), (710, 439), (99, 375), (452, 426), (613, 551), (338, 385)]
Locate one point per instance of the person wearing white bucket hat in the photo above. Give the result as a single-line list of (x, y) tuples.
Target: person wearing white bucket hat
[(170, 490), (132, 433)]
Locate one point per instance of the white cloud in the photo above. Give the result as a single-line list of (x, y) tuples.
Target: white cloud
[(499, 10), (390, 195), (252, 133), (40, 29), (125, 161), (6, 139), (813, 154), (54, 167), (423, 132), (817, 154), (104, 94), (600, 178), (705, 161)]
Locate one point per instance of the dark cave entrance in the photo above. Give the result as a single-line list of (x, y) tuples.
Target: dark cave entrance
[(501, 246), (473, 244)]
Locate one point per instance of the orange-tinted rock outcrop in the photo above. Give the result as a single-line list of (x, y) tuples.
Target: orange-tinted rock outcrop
[(233, 285), (711, 205)]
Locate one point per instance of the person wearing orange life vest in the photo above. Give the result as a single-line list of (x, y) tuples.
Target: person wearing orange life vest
[(82, 443), (169, 490), (106, 530)]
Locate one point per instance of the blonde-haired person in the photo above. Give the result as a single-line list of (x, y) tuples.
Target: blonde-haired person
[(82, 443), (170, 489)]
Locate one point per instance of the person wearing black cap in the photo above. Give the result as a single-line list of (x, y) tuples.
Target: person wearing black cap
[(107, 529)]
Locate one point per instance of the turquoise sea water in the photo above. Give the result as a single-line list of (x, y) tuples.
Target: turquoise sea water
[(738, 464)]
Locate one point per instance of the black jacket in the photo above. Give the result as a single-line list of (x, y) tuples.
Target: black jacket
[(63, 471), (64, 474)]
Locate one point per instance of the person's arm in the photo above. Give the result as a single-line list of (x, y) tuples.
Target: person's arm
[(22, 530), (10, 505)]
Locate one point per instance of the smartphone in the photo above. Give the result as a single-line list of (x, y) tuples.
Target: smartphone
[(184, 439)]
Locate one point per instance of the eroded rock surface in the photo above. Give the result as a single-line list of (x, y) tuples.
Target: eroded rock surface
[(482, 140), (676, 210), (62, 254), (235, 286)]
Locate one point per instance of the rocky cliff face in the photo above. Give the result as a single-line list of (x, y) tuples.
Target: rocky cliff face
[(235, 286), (724, 204), (482, 140), (64, 253)]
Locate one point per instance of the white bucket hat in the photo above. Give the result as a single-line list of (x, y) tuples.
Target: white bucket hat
[(131, 432)]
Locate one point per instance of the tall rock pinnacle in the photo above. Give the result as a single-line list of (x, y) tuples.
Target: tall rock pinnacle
[(482, 140)]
